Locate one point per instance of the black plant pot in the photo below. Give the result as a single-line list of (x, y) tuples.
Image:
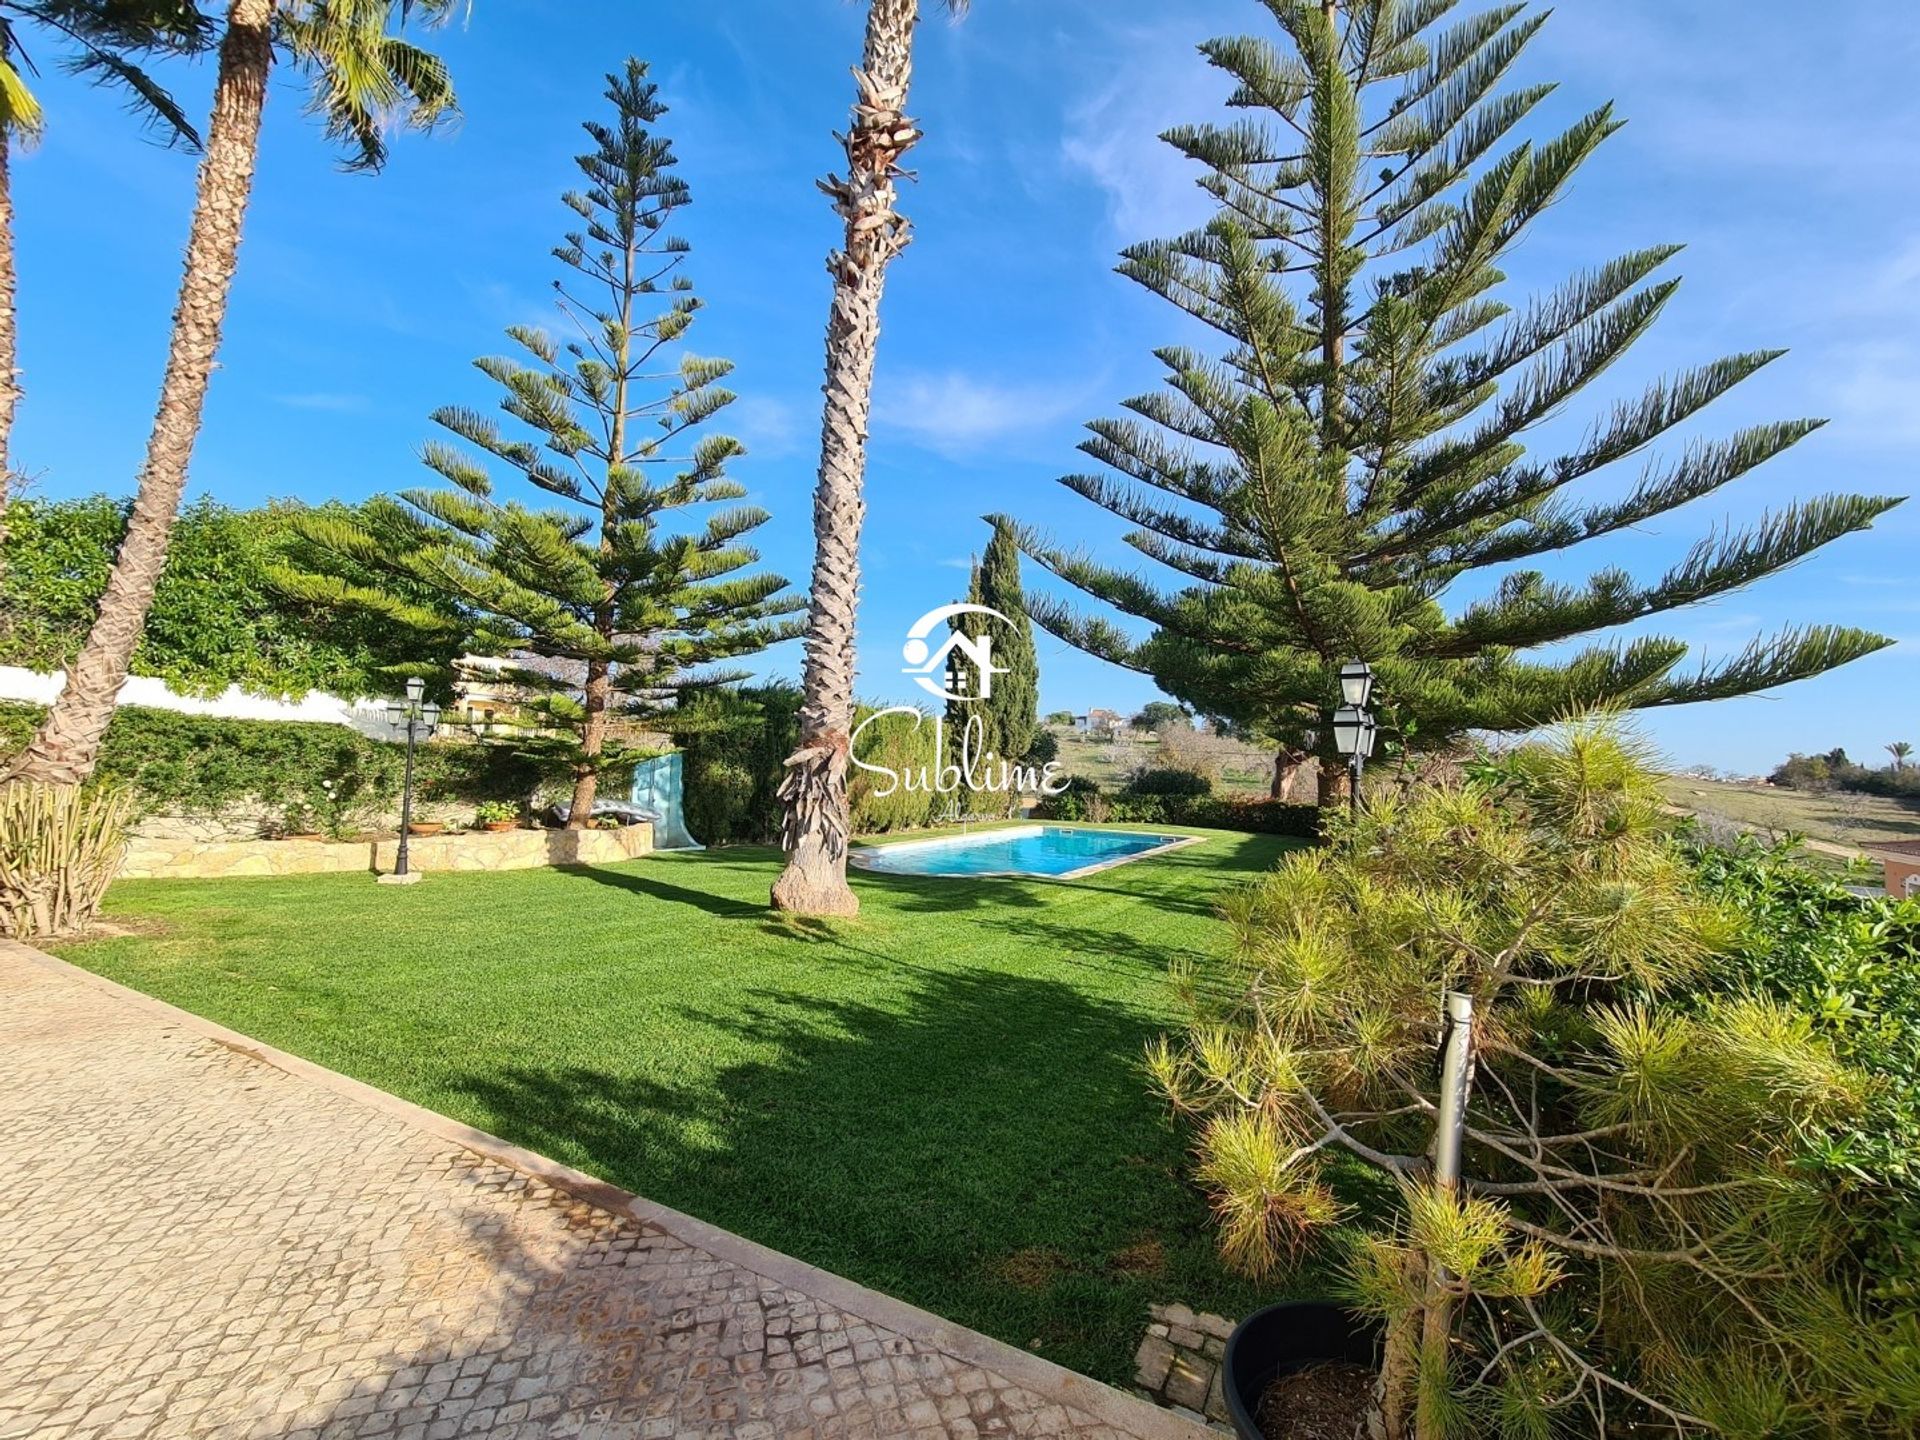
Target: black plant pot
[(1283, 1338)]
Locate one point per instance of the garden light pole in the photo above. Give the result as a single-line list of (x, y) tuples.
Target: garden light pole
[(417, 715), (1353, 726)]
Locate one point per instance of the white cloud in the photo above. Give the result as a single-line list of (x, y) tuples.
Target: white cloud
[(1873, 391), (955, 414), (1112, 133), (769, 428), (325, 400)]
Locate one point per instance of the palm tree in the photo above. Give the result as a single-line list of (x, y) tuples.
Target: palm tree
[(363, 78), (814, 881), (98, 38), (1900, 750)]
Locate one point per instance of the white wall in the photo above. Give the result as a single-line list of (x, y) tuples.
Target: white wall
[(369, 717)]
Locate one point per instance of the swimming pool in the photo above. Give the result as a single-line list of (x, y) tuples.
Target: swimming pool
[(1049, 850)]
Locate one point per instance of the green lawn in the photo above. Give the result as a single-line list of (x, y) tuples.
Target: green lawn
[(942, 1099)]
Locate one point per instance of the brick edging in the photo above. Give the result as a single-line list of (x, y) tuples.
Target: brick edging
[(1042, 1377)]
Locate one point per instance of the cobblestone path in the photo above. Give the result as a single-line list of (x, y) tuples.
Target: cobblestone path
[(199, 1240)]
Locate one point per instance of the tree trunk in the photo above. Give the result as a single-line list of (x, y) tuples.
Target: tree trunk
[(68, 744), (1288, 765), (814, 836), (9, 334), (1393, 1391), (1335, 780), (593, 739), (1436, 1343)]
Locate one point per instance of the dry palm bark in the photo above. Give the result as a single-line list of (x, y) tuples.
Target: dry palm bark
[(9, 332), (814, 881), (68, 743)]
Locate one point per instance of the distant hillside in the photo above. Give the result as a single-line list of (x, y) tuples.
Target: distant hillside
[(1835, 817)]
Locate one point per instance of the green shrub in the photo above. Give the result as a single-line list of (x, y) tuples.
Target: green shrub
[(901, 745), (1853, 965), (208, 766), (1082, 800), (217, 620), (735, 744), (1169, 782)]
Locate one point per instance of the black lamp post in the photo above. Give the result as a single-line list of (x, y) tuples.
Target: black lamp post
[(1353, 726), (420, 718)]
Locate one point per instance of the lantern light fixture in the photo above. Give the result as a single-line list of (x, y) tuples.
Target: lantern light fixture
[(1356, 683)]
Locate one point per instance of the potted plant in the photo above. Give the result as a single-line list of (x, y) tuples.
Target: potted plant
[(494, 816), (425, 827), (1621, 1151)]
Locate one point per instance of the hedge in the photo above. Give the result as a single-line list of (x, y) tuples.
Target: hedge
[(203, 765), (1208, 812), (736, 743), (217, 618)]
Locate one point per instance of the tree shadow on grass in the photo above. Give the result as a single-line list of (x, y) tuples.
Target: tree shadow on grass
[(650, 882), (930, 1144)]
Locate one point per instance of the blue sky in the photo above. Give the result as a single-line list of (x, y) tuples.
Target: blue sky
[(1780, 151)]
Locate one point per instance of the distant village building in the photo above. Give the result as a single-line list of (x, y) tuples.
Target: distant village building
[(1901, 862), (1103, 724)]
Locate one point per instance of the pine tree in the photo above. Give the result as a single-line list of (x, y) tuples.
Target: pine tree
[(604, 613), (1637, 1239), (1358, 447)]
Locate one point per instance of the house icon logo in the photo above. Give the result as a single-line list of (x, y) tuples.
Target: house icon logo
[(934, 668)]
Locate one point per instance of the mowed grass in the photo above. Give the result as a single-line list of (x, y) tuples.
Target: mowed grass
[(942, 1099)]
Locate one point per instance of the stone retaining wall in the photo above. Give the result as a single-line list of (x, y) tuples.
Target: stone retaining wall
[(152, 857)]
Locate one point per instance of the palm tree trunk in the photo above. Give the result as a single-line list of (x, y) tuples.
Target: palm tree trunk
[(9, 333), (814, 881), (68, 745)]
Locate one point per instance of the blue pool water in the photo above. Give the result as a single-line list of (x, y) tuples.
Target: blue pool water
[(1030, 850)]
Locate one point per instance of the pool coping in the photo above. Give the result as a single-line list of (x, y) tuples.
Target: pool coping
[(859, 855)]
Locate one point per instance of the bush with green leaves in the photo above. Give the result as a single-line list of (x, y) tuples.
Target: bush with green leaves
[(1641, 1240), (216, 621), (1083, 801), (1853, 965), (201, 765), (904, 744), (1160, 780), (736, 742)]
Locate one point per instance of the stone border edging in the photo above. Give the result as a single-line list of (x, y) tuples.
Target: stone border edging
[(1042, 1377)]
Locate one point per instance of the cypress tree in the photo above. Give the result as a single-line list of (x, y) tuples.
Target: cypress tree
[(960, 680), (603, 612), (1015, 702), (1358, 445), (1010, 714)]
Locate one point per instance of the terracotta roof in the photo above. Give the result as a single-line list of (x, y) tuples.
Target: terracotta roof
[(1894, 847)]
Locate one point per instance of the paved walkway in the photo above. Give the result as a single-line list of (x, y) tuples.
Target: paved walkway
[(201, 1237)]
